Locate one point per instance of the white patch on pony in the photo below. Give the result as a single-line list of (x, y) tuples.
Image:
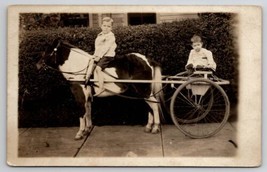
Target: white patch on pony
[(145, 59), (112, 71), (109, 85), (77, 62)]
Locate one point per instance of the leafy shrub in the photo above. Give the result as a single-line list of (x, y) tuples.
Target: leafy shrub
[(167, 43)]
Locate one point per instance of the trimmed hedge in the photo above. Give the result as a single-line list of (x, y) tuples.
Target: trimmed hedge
[(167, 43)]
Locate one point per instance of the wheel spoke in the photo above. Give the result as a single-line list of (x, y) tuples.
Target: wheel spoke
[(191, 114), (210, 93), (187, 100)]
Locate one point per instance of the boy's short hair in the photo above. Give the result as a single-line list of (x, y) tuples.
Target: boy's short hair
[(107, 19), (196, 38)]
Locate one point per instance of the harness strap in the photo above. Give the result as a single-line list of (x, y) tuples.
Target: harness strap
[(109, 74), (45, 66), (133, 98)]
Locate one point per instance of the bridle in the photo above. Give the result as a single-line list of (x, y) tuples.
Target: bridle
[(54, 52)]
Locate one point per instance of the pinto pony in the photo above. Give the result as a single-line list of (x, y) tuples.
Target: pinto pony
[(76, 65)]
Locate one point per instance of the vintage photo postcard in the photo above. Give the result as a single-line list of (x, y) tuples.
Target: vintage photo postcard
[(134, 86)]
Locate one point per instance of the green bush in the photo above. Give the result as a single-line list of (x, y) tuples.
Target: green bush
[(167, 43)]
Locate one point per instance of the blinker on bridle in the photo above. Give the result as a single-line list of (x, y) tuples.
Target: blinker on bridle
[(54, 52)]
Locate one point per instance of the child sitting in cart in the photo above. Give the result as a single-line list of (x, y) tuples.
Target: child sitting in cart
[(199, 58)]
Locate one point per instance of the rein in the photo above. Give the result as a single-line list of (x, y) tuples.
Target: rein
[(73, 73), (104, 71), (136, 98), (132, 98)]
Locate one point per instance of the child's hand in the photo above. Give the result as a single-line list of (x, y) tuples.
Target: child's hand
[(210, 67), (200, 66), (189, 66)]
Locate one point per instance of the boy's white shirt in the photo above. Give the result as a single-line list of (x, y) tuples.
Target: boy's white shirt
[(105, 45), (203, 57)]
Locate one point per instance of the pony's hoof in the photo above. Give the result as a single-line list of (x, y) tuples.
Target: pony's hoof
[(147, 130), (78, 137), (155, 131), (86, 132)]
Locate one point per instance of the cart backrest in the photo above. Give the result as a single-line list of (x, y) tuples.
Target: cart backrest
[(204, 73)]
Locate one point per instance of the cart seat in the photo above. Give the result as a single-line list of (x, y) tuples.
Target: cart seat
[(202, 73)]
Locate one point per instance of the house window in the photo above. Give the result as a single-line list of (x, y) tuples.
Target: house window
[(75, 20), (141, 18)]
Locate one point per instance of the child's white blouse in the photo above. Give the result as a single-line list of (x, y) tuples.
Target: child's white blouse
[(105, 45), (203, 58)]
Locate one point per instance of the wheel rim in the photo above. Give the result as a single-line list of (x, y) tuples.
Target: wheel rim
[(199, 108)]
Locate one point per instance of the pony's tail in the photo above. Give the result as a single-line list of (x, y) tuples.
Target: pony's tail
[(158, 91)]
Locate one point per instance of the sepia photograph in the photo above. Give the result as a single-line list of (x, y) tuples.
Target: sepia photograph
[(134, 86)]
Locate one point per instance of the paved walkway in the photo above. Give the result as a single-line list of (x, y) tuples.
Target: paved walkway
[(123, 141)]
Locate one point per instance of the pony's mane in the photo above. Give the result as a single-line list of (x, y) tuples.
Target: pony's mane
[(65, 43)]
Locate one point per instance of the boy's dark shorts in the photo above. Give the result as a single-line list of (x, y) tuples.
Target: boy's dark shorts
[(104, 62)]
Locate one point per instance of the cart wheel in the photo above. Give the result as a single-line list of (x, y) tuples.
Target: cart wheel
[(199, 108)]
